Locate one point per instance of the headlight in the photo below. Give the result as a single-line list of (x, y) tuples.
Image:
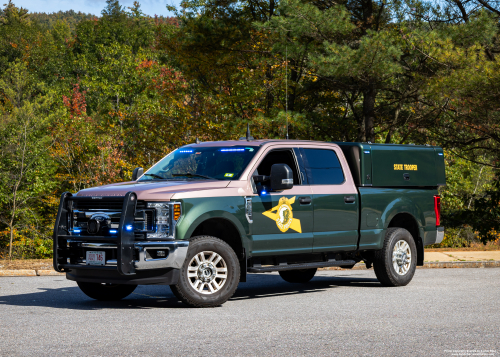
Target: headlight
[(167, 215)]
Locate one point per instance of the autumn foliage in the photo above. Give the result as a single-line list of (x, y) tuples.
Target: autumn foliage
[(85, 99)]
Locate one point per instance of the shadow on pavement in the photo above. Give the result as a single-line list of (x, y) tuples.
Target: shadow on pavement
[(149, 297), (262, 285), (144, 297)]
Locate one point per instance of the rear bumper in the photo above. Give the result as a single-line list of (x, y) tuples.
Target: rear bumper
[(439, 235), (433, 236)]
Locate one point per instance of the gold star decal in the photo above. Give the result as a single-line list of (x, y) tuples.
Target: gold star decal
[(282, 214)]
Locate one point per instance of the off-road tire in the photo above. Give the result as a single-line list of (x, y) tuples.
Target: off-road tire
[(106, 292), (184, 289), (383, 263), (298, 276)]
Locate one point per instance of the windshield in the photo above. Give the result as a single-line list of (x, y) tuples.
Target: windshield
[(219, 163)]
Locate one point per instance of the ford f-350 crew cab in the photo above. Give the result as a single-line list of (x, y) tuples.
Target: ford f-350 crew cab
[(209, 213)]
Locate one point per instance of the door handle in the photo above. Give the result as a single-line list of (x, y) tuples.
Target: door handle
[(305, 200), (349, 199)]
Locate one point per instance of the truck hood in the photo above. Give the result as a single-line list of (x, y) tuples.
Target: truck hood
[(154, 190)]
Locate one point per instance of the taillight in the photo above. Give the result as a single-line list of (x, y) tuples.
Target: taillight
[(437, 209)]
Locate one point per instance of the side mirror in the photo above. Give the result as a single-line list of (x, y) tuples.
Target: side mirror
[(281, 177), (138, 171)]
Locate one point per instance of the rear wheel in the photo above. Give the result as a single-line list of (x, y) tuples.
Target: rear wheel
[(106, 292), (298, 276), (396, 262), (210, 274)]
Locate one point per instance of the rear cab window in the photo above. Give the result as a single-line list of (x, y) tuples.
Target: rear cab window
[(322, 167)]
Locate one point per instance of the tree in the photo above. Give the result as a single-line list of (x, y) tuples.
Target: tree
[(233, 77), (99, 96), (16, 30), (113, 9), (482, 213), (465, 81), (87, 155), (24, 164)]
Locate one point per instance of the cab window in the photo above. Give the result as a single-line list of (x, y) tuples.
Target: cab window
[(202, 163), (322, 167), (278, 157)]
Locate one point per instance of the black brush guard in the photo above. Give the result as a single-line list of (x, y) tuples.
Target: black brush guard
[(124, 240)]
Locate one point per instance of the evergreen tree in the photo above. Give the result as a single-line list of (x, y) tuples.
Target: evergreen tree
[(113, 9)]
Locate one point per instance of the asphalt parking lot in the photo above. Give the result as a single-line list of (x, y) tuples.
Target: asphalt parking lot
[(443, 312)]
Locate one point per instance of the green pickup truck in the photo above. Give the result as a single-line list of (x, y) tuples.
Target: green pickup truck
[(209, 213)]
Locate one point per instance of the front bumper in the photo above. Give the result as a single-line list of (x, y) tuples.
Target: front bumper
[(125, 256), (176, 252)]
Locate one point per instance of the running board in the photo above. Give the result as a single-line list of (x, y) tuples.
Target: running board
[(281, 267)]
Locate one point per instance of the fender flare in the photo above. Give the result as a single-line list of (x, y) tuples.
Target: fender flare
[(214, 214), (193, 224), (403, 205)]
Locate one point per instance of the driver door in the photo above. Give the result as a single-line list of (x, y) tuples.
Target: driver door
[(282, 221)]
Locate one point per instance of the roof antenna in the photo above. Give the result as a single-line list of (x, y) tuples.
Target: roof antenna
[(197, 141), (249, 137), (286, 89)]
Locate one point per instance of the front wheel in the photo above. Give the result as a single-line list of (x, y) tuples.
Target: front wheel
[(106, 292), (298, 276), (210, 274), (396, 262)]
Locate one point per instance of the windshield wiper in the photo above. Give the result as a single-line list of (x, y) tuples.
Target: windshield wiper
[(155, 175), (188, 174)]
